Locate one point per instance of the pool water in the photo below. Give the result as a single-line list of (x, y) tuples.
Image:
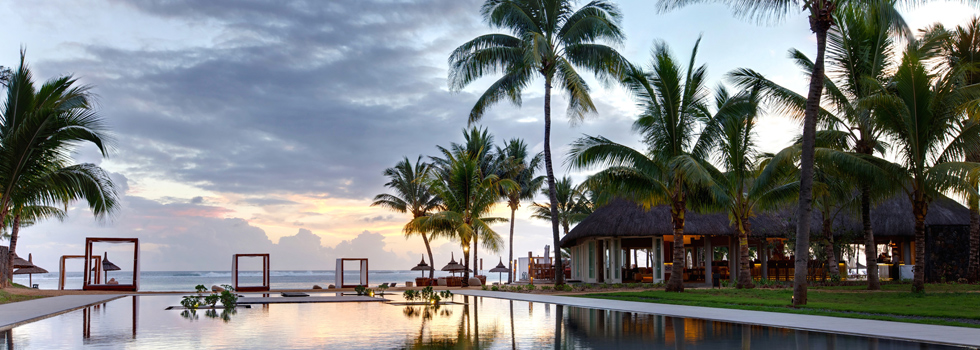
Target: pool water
[(477, 323)]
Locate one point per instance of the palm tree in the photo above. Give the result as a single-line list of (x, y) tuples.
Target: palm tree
[(740, 190), (519, 166), (38, 131), (412, 196), (674, 101), (923, 113), (468, 198), (962, 51), (567, 206), (821, 16), (478, 145), (861, 55), (550, 39)]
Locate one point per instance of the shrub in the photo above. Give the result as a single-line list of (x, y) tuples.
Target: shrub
[(495, 288), (546, 288)]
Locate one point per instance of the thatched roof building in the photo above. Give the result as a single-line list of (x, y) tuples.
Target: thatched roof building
[(893, 217)]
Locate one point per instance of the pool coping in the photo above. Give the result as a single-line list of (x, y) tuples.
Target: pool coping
[(934, 334), (27, 311)]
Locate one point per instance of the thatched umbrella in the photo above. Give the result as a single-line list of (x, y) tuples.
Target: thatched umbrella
[(19, 262), (453, 267), (107, 265), (422, 266), (500, 269), (30, 270)]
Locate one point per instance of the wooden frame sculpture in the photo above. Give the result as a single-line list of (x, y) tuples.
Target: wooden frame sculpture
[(88, 284), (96, 260), (339, 273), (265, 274)]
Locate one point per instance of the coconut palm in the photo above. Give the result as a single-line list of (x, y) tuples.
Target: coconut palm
[(821, 18), (478, 145), (412, 196), (861, 55), (550, 39), (962, 51), (923, 112), (567, 206), (40, 127), (674, 101), (740, 190), (518, 165), (468, 198)]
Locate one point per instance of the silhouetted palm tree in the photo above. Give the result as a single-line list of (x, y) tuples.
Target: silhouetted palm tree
[(412, 196), (518, 165), (548, 38)]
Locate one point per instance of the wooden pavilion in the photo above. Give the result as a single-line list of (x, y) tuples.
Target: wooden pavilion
[(604, 245)]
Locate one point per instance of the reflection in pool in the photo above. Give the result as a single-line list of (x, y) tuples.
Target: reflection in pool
[(478, 323)]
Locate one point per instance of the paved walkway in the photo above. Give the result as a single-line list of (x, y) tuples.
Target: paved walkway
[(21, 312), (853, 326)]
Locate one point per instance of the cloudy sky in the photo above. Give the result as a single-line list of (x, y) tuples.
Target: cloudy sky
[(264, 126)]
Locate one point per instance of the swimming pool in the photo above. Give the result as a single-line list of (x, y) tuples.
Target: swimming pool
[(477, 322)]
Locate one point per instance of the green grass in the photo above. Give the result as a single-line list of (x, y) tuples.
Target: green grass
[(7, 297), (905, 287), (950, 306)]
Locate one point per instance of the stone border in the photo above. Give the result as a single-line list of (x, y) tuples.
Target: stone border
[(916, 332)]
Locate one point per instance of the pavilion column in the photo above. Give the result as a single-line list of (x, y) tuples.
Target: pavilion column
[(709, 255), (600, 276)]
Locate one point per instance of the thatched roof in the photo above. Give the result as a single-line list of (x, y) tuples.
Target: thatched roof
[(622, 218), (893, 217)]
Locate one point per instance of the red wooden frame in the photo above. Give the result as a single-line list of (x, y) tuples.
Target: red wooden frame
[(339, 272), (266, 283), (97, 259), (87, 285)]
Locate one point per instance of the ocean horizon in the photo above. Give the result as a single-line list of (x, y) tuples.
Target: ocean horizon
[(165, 281)]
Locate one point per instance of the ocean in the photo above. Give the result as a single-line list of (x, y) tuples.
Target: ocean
[(186, 280)]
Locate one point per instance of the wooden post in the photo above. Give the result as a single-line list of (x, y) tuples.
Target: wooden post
[(764, 259), (733, 257), (709, 255)]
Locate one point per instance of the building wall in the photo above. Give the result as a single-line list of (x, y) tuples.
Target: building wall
[(947, 252)]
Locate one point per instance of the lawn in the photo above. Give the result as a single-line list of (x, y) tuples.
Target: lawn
[(7, 297), (945, 305)]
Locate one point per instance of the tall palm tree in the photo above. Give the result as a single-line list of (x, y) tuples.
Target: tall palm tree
[(39, 128), (861, 54), (740, 190), (674, 102), (518, 165), (548, 38), (412, 195), (962, 51), (821, 18), (468, 198), (923, 112)]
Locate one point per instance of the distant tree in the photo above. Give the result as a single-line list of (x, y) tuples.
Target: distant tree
[(568, 200), (547, 39), (518, 165), (412, 195)]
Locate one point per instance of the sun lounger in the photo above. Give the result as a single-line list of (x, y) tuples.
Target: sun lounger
[(294, 294)]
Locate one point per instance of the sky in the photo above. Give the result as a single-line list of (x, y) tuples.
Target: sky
[(264, 127)]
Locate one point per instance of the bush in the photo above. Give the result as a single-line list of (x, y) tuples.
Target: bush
[(546, 288), (530, 287), (495, 288)]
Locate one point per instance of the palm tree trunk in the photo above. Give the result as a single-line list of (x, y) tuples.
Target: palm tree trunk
[(973, 274), (676, 282), (828, 234), (744, 270), (870, 248), (919, 209), (552, 193), (466, 264), (476, 264), (510, 255), (820, 22), (429, 251), (14, 233)]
